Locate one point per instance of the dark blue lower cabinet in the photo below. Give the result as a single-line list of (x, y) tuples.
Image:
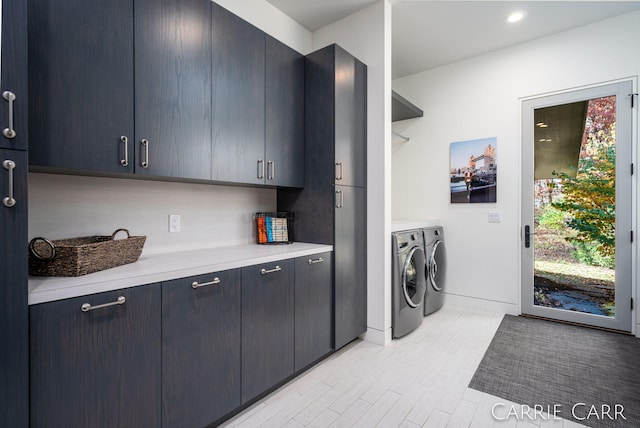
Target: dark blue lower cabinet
[(95, 360), (200, 348), (313, 309), (267, 326)]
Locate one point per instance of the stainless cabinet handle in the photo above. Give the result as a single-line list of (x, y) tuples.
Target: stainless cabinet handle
[(9, 165), (339, 199), (339, 170), (125, 141), (145, 159), (271, 169), (318, 260), (260, 169), (9, 132), (87, 306), (266, 271), (195, 284)]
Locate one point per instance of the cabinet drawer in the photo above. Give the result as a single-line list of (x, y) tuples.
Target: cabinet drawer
[(267, 326), (97, 366), (313, 308), (200, 348)]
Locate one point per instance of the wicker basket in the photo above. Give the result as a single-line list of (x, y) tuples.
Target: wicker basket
[(81, 256)]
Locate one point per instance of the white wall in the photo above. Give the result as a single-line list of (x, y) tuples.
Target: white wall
[(480, 97), (70, 206), (367, 35), (65, 206)]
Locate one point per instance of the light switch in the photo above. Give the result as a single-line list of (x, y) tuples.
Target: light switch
[(494, 217)]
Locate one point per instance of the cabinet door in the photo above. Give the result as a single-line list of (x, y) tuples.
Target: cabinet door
[(200, 349), (284, 115), (14, 75), (350, 252), (14, 357), (238, 99), (267, 326), (81, 84), (173, 88), (99, 368), (350, 120), (313, 309)]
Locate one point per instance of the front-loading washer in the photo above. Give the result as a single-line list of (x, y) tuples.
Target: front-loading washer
[(409, 281), (435, 270)]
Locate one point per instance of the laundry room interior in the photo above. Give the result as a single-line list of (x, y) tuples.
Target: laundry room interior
[(351, 213)]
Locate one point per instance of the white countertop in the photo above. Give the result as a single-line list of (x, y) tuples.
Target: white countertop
[(400, 225), (165, 267)]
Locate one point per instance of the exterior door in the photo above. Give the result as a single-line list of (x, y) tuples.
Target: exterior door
[(577, 206)]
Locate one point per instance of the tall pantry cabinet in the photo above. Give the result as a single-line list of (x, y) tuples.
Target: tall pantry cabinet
[(331, 209), (14, 358)]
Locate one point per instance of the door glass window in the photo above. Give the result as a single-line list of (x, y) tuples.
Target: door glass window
[(575, 206)]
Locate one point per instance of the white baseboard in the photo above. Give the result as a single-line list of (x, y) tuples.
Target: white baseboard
[(483, 304), (378, 337)]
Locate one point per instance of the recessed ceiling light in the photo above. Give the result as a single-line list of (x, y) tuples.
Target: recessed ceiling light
[(515, 17)]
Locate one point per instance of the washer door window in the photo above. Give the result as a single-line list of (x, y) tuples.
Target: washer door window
[(413, 283), (436, 266)]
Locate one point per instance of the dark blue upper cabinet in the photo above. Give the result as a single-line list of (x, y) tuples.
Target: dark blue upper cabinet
[(350, 123), (173, 88), (238, 100), (13, 83), (164, 88), (284, 100), (81, 84)]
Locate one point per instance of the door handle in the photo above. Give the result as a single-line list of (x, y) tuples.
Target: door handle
[(145, 158), (124, 140), (527, 236), (9, 132), (9, 165), (260, 169), (196, 284), (339, 170), (339, 199), (267, 271), (271, 168), (86, 307)]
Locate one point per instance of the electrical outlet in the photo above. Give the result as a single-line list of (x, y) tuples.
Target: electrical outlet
[(174, 223), (494, 217)]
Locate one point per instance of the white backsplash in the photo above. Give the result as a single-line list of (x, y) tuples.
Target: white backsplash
[(65, 206)]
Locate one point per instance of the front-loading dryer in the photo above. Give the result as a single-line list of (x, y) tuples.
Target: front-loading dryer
[(409, 281), (435, 269)]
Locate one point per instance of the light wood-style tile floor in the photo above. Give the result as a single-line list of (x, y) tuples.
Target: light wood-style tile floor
[(418, 380)]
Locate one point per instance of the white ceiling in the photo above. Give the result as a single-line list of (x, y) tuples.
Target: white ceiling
[(428, 34)]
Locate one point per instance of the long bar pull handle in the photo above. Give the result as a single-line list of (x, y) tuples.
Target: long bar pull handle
[(196, 284), (339, 199), (266, 271), (271, 169), (260, 169), (145, 158), (125, 142), (318, 260), (87, 306), (9, 165), (9, 132), (339, 170), (527, 236)]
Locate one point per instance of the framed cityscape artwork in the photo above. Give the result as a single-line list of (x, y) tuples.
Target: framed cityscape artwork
[(473, 171)]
